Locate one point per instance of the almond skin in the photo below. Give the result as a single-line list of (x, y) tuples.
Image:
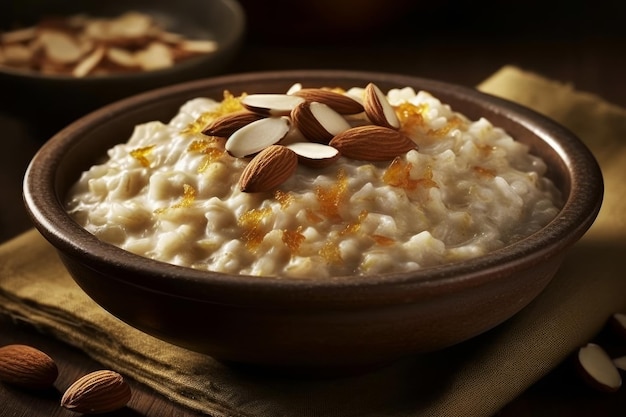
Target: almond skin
[(378, 109), (341, 103), (372, 143), (227, 124), (315, 129), (27, 367), (98, 392), (268, 169)]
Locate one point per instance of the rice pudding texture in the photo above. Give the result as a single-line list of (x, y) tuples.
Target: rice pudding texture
[(171, 193)]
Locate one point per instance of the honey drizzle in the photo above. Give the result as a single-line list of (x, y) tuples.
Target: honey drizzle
[(283, 198), (398, 174), (188, 198), (141, 155), (453, 123), (208, 148), (355, 226), (293, 239), (330, 252), (330, 198), (229, 104), (411, 115), (250, 222)]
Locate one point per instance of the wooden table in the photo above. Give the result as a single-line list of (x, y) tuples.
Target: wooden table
[(591, 59)]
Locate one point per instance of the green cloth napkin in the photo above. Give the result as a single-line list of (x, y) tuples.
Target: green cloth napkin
[(475, 378)]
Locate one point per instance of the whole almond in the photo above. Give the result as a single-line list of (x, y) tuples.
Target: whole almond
[(97, 392), (317, 121), (27, 367), (378, 109), (227, 124), (341, 103), (372, 143), (268, 169)]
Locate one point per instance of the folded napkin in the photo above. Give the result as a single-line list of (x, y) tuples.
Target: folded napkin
[(475, 378)]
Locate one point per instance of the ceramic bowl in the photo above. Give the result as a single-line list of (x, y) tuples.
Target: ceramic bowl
[(311, 325), (57, 100)]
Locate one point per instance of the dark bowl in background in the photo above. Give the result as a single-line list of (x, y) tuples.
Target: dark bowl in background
[(56, 100), (331, 325)]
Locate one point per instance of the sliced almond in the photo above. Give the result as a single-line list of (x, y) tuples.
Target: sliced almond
[(198, 46), (268, 169), (597, 368), (17, 55), (257, 136), (60, 47), (19, 35), (314, 155), (229, 123), (378, 109), (271, 104), (130, 25), (341, 103), (122, 57), (90, 62), (372, 143), (318, 122), (156, 56)]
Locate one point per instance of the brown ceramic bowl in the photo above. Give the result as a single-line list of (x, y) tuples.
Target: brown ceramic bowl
[(56, 100), (323, 325)]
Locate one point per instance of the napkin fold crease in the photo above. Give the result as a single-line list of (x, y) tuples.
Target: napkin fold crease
[(475, 378)]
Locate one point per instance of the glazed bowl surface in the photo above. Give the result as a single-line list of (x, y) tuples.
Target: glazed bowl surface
[(311, 325)]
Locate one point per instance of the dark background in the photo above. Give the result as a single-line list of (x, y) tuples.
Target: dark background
[(582, 43)]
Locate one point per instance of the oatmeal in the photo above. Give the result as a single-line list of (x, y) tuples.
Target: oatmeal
[(368, 183)]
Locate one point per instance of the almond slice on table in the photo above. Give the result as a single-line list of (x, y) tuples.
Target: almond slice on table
[(257, 136), (318, 122), (372, 143), (226, 125), (315, 155), (271, 104), (268, 169), (378, 109), (598, 369), (341, 103)]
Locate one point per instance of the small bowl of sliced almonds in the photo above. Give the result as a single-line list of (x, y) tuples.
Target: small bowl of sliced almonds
[(86, 54), (313, 221)]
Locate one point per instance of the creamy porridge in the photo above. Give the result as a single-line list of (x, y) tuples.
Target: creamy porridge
[(190, 193)]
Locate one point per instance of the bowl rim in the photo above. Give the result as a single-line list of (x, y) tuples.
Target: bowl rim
[(578, 213)]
